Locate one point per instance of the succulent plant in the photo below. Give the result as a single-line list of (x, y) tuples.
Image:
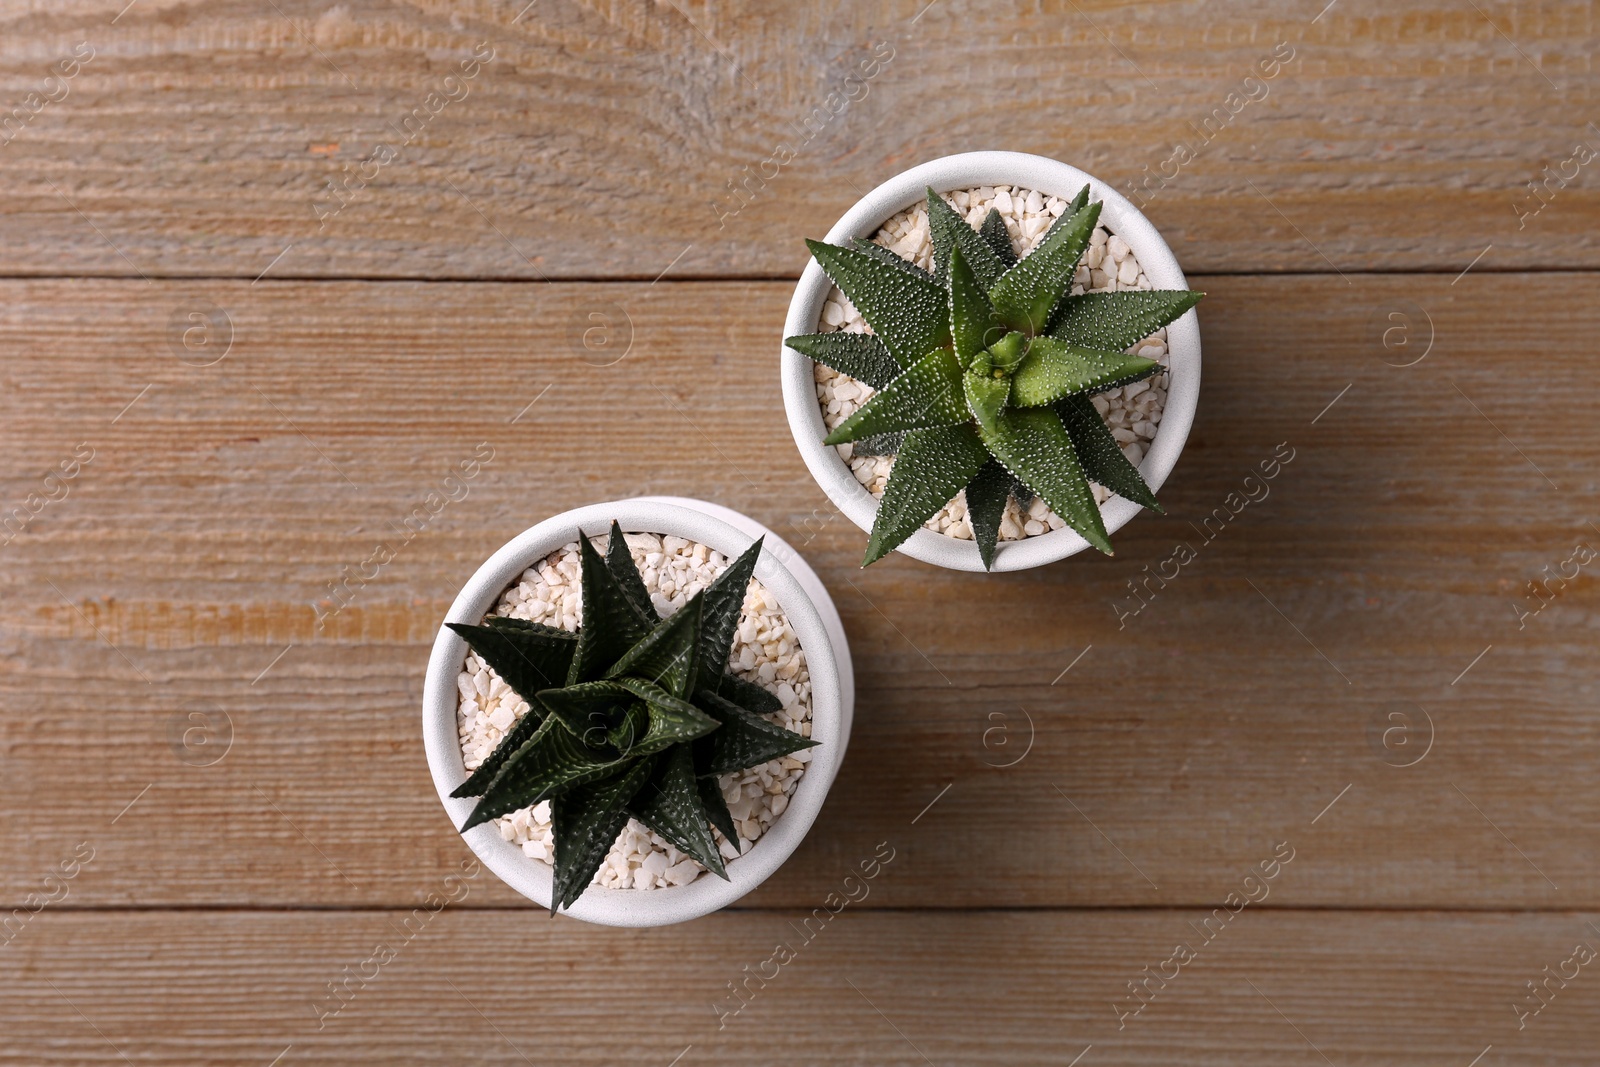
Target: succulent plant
[(984, 371), (630, 715)]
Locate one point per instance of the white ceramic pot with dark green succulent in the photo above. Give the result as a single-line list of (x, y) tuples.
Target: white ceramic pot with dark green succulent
[(997, 381), (629, 711)]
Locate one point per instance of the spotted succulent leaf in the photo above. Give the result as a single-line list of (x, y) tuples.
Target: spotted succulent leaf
[(889, 256), (883, 444), (907, 312), (748, 694), (515, 738), (1034, 446), (933, 466), (1027, 294), (862, 356), (669, 654), (671, 805), (550, 763), (987, 494), (611, 625), (998, 237), (986, 397), (586, 823), (619, 561), (1102, 457), (949, 231), (723, 600), (528, 660), (507, 622), (745, 739), (1119, 320), (927, 394), (1136, 376), (715, 804), (1054, 369), (973, 325)]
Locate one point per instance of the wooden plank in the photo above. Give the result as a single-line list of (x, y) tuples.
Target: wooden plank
[(867, 988), (178, 576), (609, 139)]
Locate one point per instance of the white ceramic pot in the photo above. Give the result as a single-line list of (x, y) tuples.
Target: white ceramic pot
[(966, 171), (811, 615)]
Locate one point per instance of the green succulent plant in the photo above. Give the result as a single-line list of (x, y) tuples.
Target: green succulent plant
[(630, 715), (984, 371)]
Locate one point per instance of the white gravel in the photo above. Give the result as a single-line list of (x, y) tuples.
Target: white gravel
[(765, 651), (1132, 412)]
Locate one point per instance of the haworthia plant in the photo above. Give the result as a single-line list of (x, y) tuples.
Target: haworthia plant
[(983, 371), (632, 715)]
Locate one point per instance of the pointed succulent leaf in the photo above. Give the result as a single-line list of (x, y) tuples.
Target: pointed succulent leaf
[(723, 603), (527, 660), (1027, 294), (515, 738), (987, 494), (973, 325), (906, 311), (672, 720), (1077, 203), (1117, 321), (1100, 454), (1035, 447), (1137, 376), (861, 356), (883, 444), (748, 695), (986, 397), (889, 256), (1053, 369), (717, 806), (994, 232), (950, 231), (551, 762), (589, 709), (670, 804), (506, 622), (927, 394), (610, 627), (586, 823), (744, 739), (619, 561), (668, 655), (933, 466)]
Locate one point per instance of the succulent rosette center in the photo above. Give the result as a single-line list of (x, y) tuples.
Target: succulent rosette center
[(633, 715), (984, 370)]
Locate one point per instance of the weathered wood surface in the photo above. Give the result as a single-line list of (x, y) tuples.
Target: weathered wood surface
[(220, 807), (179, 575), (900, 988), (600, 140)]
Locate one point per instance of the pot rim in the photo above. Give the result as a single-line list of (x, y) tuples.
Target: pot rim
[(811, 615), (964, 171)]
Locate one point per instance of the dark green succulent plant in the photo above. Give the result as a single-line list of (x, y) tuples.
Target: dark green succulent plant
[(631, 715), (984, 369)]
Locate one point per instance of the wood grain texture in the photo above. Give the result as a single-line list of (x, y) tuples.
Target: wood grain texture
[(482, 988), (180, 573), (608, 139)]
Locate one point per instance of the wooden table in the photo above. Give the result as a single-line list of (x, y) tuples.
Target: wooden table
[(270, 270)]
